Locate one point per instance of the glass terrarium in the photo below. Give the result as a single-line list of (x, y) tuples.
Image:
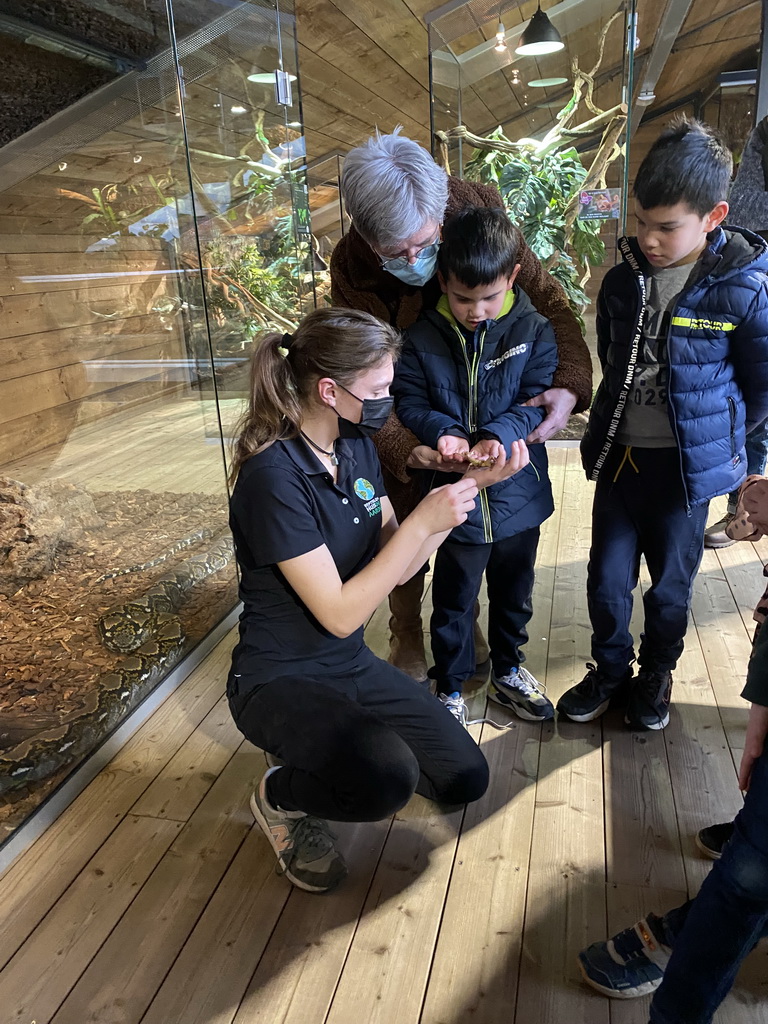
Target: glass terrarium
[(153, 225), (536, 101)]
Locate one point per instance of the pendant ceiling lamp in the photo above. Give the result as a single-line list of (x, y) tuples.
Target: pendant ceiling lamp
[(540, 37)]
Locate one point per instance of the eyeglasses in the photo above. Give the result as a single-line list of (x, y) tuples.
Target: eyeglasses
[(400, 262)]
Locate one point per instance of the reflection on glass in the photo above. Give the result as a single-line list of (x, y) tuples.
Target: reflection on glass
[(546, 126), (150, 232)]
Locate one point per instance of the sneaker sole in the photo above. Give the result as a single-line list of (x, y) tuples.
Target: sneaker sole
[(710, 854), (527, 716), (261, 821), (590, 716), (640, 727), (624, 993), (725, 544)]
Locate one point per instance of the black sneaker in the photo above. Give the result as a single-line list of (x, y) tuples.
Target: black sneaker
[(712, 839), (649, 700), (590, 698)]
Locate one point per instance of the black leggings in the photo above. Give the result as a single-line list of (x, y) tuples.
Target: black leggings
[(359, 743)]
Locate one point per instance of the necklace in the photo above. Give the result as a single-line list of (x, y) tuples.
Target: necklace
[(329, 455)]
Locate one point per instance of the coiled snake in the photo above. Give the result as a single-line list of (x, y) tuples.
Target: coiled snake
[(185, 542), (149, 632)]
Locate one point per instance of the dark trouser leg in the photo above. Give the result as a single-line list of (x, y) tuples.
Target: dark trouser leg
[(452, 766), (725, 920), (510, 577), (456, 583), (673, 543), (614, 566), (358, 744)]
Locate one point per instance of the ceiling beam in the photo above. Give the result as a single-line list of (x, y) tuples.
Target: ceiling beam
[(672, 20)]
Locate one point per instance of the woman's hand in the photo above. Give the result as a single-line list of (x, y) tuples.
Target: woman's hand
[(424, 457), (504, 467), (447, 506), (757, 730)]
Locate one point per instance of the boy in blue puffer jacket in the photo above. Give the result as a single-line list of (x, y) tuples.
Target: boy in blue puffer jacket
[(465, 371), (682, 334)]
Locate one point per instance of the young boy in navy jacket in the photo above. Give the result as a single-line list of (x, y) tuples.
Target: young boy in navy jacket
[(682, 335), (465, 372)]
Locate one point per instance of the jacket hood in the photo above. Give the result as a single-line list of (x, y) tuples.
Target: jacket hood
[(729, 250)]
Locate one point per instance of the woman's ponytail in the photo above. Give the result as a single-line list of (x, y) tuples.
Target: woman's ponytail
[(275, 410)]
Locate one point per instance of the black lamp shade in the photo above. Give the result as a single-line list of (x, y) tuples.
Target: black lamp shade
[(540, 37)]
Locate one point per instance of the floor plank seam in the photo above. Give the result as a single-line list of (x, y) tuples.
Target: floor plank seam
[(358, 922), (193, 925)]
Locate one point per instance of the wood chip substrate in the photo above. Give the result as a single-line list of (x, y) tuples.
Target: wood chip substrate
[(52, 653)]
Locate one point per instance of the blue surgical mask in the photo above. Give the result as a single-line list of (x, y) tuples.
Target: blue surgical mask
[(418, 273)]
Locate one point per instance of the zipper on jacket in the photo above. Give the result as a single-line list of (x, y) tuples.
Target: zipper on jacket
[(473, 373), (673, 417), (732, 414)]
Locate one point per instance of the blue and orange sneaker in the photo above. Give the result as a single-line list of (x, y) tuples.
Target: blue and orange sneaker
[(629, 965)]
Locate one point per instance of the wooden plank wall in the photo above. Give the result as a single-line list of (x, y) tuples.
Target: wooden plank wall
[(53, 329)]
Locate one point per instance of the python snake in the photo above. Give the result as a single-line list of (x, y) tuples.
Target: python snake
[(185, 542), (149, 633)]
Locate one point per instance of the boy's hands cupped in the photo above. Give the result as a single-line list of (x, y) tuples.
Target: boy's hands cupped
[(504, 467), (486, 451), (453, 449)]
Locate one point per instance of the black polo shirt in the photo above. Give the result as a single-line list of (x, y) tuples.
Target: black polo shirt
[(285, 504)]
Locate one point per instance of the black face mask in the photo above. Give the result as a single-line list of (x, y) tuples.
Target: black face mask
[(376, 412)]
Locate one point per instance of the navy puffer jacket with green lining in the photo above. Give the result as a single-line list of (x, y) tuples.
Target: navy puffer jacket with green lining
[(446, 383)]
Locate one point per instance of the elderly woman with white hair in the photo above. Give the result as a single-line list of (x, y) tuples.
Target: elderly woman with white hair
[(398, 199)]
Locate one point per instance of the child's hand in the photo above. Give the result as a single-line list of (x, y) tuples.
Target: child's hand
[(453, 449), (504, 467), (424, 457), (488, 451)]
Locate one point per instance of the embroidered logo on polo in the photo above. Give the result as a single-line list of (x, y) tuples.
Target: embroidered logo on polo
[(517, 350), (364, 489)]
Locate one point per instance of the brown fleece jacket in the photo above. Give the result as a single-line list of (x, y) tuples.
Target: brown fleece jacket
[(359, 282)]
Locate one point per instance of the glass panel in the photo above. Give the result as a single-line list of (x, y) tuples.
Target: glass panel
[(115, 557), (329, 218), (548, 130), (248, 170)]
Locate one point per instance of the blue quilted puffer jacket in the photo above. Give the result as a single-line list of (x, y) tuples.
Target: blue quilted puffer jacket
[(717, 349), (446, 383)]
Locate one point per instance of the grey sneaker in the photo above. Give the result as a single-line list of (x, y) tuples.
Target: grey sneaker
[(715, 535), (454, 703), (521, 692), (303, 844)]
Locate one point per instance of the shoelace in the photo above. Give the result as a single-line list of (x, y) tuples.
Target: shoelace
[(524, 682), (590, 682), (458, 708), (649, 683), (311, 838)]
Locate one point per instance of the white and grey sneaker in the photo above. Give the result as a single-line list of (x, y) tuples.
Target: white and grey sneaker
[(302, 843), (521, 692), (454, 703)]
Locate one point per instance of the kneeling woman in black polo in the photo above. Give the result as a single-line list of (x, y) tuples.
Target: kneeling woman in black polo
[(319, 549)]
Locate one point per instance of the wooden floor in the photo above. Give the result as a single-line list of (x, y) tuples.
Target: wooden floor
[(153, 899)]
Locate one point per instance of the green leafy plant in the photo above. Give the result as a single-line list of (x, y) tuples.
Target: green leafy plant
[(539, 188), (540, 179)]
